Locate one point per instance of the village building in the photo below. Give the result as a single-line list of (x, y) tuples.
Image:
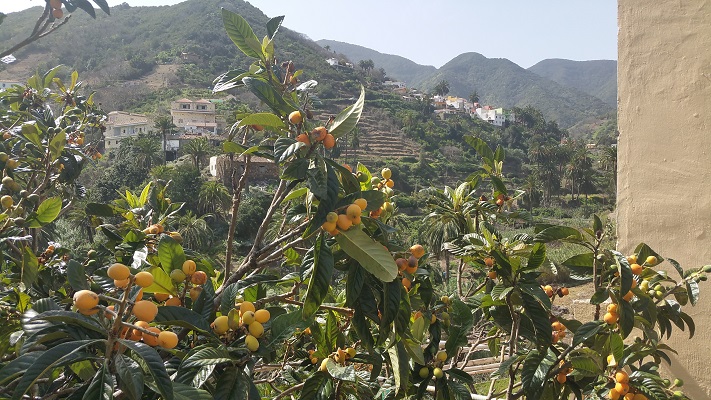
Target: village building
[(121, 124), (196, 116)]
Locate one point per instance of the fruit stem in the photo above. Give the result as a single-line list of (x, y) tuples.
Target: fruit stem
[(138, 328)]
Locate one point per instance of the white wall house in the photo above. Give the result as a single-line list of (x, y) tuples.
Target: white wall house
[(494, 116), (120, 125), (195, 116), (8, 84)]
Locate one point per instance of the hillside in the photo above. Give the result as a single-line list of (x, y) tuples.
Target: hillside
[(596, 77), (501, 82), (397, 67), (133, 57)]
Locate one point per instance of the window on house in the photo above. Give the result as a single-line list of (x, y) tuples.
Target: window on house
[(180, 121), (185, 106), (202, 107)]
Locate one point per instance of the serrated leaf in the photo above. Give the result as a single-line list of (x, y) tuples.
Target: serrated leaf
[(284, 325), (538, 255), (263, 119), (317, 387), (241, 34), (170, 253), (155, 366), (539, 316), (533, 374), (46, 361), (30, 267), (206, 356), (586, 331), (69, 317), (161, 282), (321, 274), (347, 119), (326, 204), (46, 213), (266, 93), (370, 254), (129, 381), (181, 316), (400, 367), (341, 372), (232, 385)]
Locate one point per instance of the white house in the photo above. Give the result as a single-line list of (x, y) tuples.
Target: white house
[(8, 84), (494, 116), (120, 125), (196, 116)]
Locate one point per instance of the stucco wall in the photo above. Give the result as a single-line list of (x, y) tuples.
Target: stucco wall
[(664, 167)]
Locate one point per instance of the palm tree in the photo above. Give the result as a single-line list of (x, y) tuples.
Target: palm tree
[(198, 149), (196, 232), (474, 97), (442, 88), (144, 149), (366, 65), (449, 218), (165, 125), (213, 198)]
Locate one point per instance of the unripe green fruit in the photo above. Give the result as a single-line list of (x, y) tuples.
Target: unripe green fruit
[(438, 373), (34, 198), (6, 201), (24, 193), (678, 394), (658, 294), (19, 221), (658, 287), (4, 157), (703, 278), (424, 372), (91, 253), (7, 181), (678, 382), (707, 268), (666, 382), (375, 181), (177, 275)]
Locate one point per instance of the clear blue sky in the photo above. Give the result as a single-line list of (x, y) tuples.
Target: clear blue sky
[(433, 32)]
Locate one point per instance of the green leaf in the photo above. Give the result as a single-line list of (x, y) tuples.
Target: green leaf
[(692, 290), (69, 317), (232, 385), (206, 356), (586, 331), (500, 154), (266, 93), (284, 325), (241, 34), (155, 366), (56, 145), (46, 361), (102, 386), (76, 276), (627, 315), (586, 361), (460, 375), (30, 267), (553, 233), (392, 294), (341, 372), (362, 328), (297, 193), (321, 274), (533, 374), (161, 282), (263, 119), (347, 119), (47, 212), (181, 316), (318, 387), (129, 381), (643, 251), (539, 316), (326, 204), (29, 131), (400, 367), (17, 366), (617, 346), (273, 26), (100, 210), (187, 392), (317, 178), (170, 253), (482, 148), (370, 254), (538, 255)]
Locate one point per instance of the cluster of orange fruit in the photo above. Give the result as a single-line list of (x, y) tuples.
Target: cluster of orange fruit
[(558, 331), (143, 311), (550, 292), (409, 265), (245, 317), (189, 275), (622, 388), (335, 222), (319, 134), (562, 376)]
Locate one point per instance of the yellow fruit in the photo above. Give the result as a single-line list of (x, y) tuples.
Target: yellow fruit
[(406, 283), (564, 291), (612, 308), (611, 318), (350, 352), (332, 217), (340, 356), (329, 141), (386, 173), (549, 290), (144, 279), (108, 314), (296, 117), (344, 222), (256, 329), (118, 271), (150, 339), (173, 301), (319, 133), (199, 278), (85, 299), (411, 267), (329, 226), (438, 373), (195, 292), (651, 261), (189, 267), (167, 339), (6, 201), (145, 310), (353, 211), (121, 284), (313, 360), (636, 269), (361, 203), (433, 319), (177, 275), (389, 183), (161, 296), (622, 388), (246, 306), (248, 317), (621, 376), (304, 138), (613, 394), (220, 325), (356, 220), (441, 355), (557, 326), (444, 299), (262, 316), (324, 365), (417, 250), (611, 362), (401, 264), (251, 342)]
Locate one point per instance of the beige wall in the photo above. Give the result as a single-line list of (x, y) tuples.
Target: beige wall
[(664, 173)]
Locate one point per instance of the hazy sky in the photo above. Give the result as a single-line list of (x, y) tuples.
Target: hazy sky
[(435, 31)]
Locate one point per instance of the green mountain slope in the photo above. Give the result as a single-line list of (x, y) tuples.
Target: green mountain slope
[(502, 83), (596, 77), (397, 67), (133, 57)]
